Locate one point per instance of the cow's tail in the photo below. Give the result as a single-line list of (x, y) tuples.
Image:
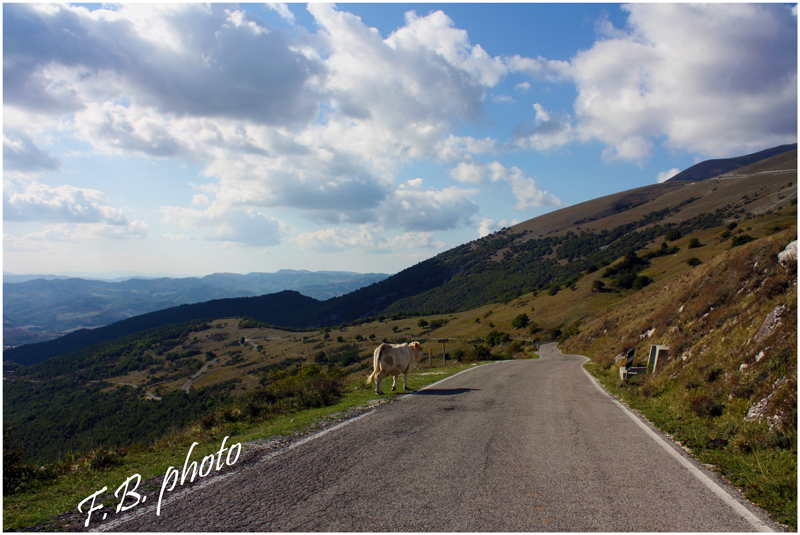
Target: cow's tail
[(376, 365), (372, 377)]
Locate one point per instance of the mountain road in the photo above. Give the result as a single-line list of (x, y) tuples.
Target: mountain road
[(523, 445)]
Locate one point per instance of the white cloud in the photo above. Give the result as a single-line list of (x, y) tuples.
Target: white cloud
[(21, 154), (218, 222), (436, 32), (65, 214), (663, 176), (713, 79), (335, 239), (503, 99), (26, 202), (523, 87), (363, 240), (186, 59), (282, 10), (539, 69), (412, 240), (525, 189), (489, 226), (470, 173), (548, 131), (416, 209)]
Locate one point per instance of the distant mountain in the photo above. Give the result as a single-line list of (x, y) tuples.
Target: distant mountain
[(549, 252), (714, 168), (45, 308)]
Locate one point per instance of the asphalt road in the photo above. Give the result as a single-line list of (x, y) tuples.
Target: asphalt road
[(531, 445)]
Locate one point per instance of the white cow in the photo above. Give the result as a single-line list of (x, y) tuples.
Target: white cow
[(394, 360)]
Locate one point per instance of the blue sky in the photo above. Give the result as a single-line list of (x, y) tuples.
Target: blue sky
[(192, 139)]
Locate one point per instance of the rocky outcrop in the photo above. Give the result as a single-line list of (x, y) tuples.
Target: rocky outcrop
[(771, 322), (788, 257)]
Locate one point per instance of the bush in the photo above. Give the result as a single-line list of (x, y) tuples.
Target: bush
[(694, 243), (520, 322), (17, 474), (741, 239), (694, 261), (478, 352), (102, 459), (641, 282), (496, 338)]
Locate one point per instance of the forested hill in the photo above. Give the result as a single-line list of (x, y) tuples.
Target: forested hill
[(286, 308), (550, 251)]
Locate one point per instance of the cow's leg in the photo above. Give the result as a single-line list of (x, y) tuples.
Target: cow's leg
[(378, 381), (394, 382), (405, 378)]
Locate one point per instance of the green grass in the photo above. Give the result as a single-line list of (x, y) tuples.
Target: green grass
[(740, 451), (44, 501)]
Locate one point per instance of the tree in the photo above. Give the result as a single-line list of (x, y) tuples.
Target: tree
[(694, 243), (598, 286), (520, 322), (422, 324), (496, 338)]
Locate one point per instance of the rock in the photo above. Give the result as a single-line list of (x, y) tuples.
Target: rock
[(756, 412), (788, 256), (771, 322)]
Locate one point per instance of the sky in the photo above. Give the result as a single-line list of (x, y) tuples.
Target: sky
[(189, 139)]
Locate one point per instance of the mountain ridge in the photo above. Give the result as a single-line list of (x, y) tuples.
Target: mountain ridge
[(44, 308), (718, 167)]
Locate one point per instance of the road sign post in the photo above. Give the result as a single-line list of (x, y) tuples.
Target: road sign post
[(443, 341)]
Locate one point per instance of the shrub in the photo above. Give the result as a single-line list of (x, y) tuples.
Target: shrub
[(694, 243), (598, 286), (478, 352), (520, 322), (641, 281), (496, 338), (741, 239), (694, 261), (102, 459)]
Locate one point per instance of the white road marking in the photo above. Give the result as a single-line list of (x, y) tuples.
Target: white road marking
[(752, 519)]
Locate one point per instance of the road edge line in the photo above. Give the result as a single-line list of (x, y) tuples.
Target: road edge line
[(709, 483)]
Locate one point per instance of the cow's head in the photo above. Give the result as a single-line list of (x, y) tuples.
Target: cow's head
[(417, 348)]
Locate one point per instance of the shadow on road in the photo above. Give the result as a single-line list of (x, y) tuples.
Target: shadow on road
[(444, 391)]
